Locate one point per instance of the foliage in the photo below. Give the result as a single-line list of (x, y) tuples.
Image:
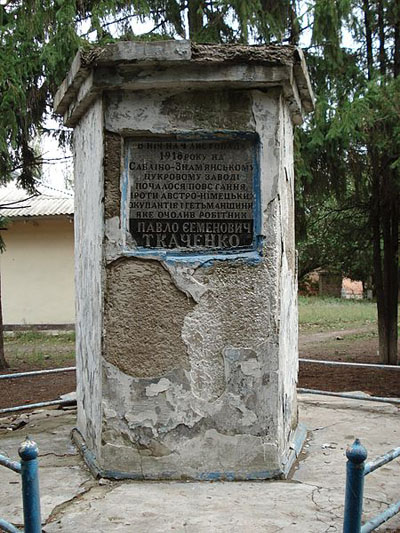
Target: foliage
[(351, 147), (39, 38), (338, 239)]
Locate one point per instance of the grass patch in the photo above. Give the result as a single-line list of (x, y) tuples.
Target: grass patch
[(367, 335), (323, 314), (36, 350), (24, 337)]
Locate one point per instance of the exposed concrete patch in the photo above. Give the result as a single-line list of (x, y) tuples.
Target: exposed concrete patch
[(211, 110), (271, 55), (55, 451), (89, 491), (58, 460), (144, 314), (204, 508), (72, 478), (112, 174)]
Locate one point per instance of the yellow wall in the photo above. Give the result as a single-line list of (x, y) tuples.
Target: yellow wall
[(37, 271)]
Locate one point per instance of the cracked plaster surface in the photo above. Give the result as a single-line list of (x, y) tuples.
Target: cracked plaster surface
[(191, 356), (228, 392), (144, 313), (159, 420)]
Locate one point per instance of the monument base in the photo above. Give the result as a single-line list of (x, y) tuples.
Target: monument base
[(297, 440)]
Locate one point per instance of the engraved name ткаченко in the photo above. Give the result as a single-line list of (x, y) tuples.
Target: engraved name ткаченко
[(191, 194)]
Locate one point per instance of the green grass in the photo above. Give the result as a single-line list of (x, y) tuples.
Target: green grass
[(324, 314), (24, 337), (36, 350)]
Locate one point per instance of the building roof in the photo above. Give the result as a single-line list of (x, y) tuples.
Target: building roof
[(16, 202)]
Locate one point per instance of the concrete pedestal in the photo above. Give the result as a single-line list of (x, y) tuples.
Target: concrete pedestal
[(185, 257)]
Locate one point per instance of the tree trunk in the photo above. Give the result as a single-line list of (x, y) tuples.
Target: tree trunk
[(381, 31), (384, 215), (390, 198), (385, 224), (368, 37), (396, 56), (390, 225), (375, 220), (195, 18), (294, 24), (3, 362)]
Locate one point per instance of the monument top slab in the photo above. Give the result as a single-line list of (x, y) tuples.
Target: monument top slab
[(136, 66)]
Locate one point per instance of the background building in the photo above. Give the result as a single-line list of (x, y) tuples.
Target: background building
[(37, 266)]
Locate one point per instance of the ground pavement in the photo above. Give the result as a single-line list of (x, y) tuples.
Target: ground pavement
[(310, 501)]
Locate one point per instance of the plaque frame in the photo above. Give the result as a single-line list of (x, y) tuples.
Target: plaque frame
[(252, 253)]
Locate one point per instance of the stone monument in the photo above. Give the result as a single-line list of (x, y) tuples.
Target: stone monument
[(186, 298)]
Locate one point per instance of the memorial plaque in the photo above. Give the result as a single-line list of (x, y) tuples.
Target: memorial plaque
[(191, 195)]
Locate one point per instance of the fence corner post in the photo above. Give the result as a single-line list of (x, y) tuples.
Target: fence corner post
[(356, 455), (28, 451)]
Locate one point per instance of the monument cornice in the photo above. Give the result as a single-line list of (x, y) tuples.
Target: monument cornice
[(182, 65)]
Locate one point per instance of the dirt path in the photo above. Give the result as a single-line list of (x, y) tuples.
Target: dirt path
[(307, 338), (35, 389), (357, 345)]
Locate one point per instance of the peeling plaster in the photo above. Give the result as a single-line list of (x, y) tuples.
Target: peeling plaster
[(156, 388), (183, 277), (143, 317), (198, 357)]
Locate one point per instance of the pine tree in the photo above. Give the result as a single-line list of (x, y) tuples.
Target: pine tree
[(352, 148), (39, 38)]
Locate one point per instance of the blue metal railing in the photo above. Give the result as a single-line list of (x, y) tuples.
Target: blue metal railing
[(356, 470), (28, 468)]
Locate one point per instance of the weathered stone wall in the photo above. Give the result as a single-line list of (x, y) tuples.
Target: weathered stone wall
[(288, 335), (199, 360), (89, 231)]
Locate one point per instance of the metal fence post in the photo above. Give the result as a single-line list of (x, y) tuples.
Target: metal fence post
[(356, 455), (28, 452)]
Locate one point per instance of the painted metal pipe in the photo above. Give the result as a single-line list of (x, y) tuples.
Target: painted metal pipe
[(28, 452), (382, 460), (349, 395), (356, 455), (371, 525), (9, 528), (8, 463), (37, 372), (343, 363), (37, 405)]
